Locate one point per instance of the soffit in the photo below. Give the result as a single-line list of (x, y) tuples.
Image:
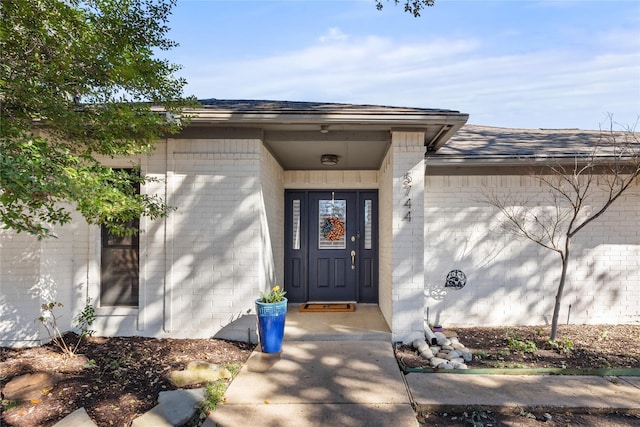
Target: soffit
[(298, 133)]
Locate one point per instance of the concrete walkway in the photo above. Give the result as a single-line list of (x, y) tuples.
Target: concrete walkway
[(315, 383), (530, 392), (359, 384)]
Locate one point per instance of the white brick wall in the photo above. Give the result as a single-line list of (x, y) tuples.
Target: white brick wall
[(385, 243), (408, 235), (272, 194), (356, 179), (19, 272), (512, 281), (33, 273), (215, 238), (268, 245)]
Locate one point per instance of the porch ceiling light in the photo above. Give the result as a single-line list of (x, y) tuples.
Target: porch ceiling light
[(324, 129), (329, 159)]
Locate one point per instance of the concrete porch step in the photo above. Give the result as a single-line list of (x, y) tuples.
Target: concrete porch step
[(366, 323)]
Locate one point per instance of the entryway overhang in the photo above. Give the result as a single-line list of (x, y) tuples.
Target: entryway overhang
[(299, 133)]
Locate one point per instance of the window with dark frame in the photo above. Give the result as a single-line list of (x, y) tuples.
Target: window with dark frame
[(120, 266)]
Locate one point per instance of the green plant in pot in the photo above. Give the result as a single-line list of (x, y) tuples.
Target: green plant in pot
[(271, 308)]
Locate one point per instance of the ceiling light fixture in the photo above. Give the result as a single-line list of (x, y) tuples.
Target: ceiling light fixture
[(329, 159), (324, 129)]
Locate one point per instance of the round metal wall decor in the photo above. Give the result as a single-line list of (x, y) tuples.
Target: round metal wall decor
[(456, 279)]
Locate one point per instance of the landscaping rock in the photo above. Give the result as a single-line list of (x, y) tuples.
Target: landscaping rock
[(457, 346), (449, 351), (29, 386), (453, 354), (78, 418), (179, 406), (423, 348), (198, 372), (417, 343), (436, 362), (426, 352), (174, 408)]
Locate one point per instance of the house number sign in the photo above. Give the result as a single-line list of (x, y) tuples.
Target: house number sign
[(406, 187)]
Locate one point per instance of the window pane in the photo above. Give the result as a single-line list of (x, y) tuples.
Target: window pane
[(119, 267), (332, 224), (368, 204), (296, 224)]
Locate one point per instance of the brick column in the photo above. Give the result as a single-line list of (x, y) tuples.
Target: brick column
[(408, 235)]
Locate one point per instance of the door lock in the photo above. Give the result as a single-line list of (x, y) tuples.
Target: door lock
[(353, 260)]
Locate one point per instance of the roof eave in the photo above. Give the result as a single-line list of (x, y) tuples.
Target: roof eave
[(446, 160), (389, 119)]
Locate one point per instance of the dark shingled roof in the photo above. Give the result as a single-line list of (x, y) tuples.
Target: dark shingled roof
[(265, 106), (473, 141)]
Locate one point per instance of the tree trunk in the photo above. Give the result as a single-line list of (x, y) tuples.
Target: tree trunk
[(563, 277)]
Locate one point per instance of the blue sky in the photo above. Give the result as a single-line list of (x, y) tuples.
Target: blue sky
[(511, 63)]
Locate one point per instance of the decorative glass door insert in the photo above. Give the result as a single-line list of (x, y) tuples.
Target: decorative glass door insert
[(332, 217)]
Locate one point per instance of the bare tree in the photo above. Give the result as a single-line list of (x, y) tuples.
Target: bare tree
[(577, 191)]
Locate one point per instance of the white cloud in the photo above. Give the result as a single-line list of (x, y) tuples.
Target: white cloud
[(332, 35), (553, 88)]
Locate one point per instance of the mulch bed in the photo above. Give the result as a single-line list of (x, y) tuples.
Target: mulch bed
[(114, 379), (576, 347)]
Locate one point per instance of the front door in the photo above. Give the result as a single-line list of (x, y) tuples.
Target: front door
[(331, 246)]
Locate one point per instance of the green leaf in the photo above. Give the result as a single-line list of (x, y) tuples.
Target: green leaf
[(78, 81)]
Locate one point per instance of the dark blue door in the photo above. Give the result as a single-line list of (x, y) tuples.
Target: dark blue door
[(331, 246)]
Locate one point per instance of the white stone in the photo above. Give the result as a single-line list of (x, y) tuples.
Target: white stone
[(444, 341), (440, 335), (436, 362), (426, 352), (457, 345), (417, 343), (454, 354), (467, 356), (458, 365), (435, 349), (445, 366)]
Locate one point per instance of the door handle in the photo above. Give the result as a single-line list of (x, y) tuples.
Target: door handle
[(353, 260)]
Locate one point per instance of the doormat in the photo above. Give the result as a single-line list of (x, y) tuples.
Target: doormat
[(325, 308)]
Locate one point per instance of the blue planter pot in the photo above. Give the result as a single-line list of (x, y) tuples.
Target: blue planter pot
[(271, 317)]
